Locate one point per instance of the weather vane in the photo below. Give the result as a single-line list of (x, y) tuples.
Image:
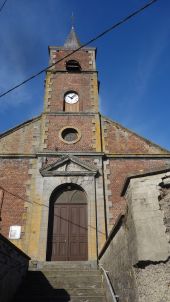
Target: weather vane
[(72, 20)]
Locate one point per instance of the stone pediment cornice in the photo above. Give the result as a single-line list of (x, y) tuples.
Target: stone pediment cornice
[(69, 165)]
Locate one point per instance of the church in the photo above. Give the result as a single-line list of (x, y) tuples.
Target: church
[(62, 173)]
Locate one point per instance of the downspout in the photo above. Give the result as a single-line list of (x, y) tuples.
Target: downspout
[(1, 203), (97, 239), (103, 176)]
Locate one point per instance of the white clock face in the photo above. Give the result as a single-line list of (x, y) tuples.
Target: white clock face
[(71, 98)]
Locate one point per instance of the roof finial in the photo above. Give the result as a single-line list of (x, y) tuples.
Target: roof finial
[(72, 41), (72, 20)]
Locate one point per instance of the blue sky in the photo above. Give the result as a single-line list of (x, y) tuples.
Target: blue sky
[(133, 61)]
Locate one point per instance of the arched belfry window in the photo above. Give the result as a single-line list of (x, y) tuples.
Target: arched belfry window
[(73, 66)]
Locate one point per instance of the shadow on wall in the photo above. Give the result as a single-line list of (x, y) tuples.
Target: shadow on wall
[(36, 287), (13, 267)]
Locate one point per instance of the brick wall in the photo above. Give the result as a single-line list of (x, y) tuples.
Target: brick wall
[(83, 123), (13, 180), (64, 82), (117, 171), (120, 140), (84, 83), (23, 140), (83, 57)]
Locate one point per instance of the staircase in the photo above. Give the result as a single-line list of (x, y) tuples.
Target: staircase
[(62, 282)]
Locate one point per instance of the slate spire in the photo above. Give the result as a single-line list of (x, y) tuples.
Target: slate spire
[(72, 41)]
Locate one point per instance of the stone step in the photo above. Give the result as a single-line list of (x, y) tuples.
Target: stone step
[(59, 299), (50, 282), (36, 279), (38, 283), (67, 273), (72, 283), (73, 292), (64, 265)]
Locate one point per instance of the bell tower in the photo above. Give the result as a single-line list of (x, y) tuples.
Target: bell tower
[(72, 85), (71, 118)]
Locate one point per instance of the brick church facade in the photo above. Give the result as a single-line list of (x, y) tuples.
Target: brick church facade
[(61, 173)]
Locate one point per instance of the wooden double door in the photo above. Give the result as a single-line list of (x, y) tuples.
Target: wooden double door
[(69, 238)]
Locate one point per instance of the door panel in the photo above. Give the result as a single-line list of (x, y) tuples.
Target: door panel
[(60, 233), (70, 232), (78, 232)]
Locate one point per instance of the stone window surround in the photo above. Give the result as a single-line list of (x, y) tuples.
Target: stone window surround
[(87, 184), (70, 142)]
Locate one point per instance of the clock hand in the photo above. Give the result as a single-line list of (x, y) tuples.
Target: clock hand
[(73, 96)]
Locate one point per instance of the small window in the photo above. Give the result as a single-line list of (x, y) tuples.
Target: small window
[(70, 135), (73, 66)]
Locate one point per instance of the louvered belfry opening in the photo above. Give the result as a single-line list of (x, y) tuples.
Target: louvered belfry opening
[(68, 224), (73, 66)]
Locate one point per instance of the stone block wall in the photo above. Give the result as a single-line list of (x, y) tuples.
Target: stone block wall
[(137, 252), (116, 260), (13, 267)]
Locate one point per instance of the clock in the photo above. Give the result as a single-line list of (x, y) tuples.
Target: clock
[(71, 97)]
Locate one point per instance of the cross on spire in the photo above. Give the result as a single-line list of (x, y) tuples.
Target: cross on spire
[(72, 20), (72, 41)]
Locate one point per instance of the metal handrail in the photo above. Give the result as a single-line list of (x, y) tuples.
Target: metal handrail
[(109, 284)]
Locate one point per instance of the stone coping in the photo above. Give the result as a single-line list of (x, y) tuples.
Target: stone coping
[(88, 153), (142, 174), (112, 234)]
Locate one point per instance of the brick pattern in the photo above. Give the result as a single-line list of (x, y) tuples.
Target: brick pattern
[(85, 125), (85, 84), (13, 179), (24, 140), (62, 83), (119, 169), (119, 140), (84, 57)]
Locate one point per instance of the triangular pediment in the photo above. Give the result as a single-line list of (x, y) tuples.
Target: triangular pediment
[(69, 165)]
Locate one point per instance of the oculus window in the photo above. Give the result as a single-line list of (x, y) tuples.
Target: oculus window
[(70, 135)]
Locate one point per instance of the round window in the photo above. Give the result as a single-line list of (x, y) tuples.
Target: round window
[(69, 135)]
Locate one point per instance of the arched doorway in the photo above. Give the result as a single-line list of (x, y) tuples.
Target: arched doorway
[(68, 224)]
